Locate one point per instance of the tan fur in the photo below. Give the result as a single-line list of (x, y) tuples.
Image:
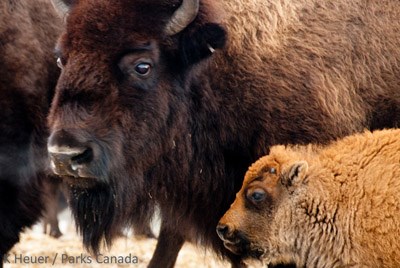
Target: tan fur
[(339, 50), (344, 211)]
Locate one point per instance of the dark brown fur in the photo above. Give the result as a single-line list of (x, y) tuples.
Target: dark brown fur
[(291, 72), (28, 31)]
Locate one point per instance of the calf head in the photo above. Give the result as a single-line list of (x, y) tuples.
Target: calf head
[(248, 227), (120, 105)]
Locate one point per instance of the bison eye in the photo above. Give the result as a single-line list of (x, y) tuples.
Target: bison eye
[(256, 196), (272, 170), (143, 68)]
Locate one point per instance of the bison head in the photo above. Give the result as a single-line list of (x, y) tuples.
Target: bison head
[(252, 225), (120, 106)]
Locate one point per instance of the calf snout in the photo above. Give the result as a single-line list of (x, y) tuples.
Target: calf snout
[(237, 242), (224, 231), (69, 156), (233, 239), (229, 234)]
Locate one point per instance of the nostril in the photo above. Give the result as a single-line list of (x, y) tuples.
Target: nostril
[(83, 158), (70, 161), (222, 230), (70, 154)]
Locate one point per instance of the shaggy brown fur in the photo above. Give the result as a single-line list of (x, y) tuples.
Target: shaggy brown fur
[(183, 135), (28, 32), (336, 206)]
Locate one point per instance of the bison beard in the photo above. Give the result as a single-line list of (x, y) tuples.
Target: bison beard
[(95, 213), (100, 213)]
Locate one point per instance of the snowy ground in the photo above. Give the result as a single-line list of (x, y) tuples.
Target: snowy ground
[(67, 251)]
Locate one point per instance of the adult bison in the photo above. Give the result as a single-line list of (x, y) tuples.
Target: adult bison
[(28, 73), (168, 102)]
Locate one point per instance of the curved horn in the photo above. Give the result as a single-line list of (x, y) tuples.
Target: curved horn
[(62, 6), (181, 18)]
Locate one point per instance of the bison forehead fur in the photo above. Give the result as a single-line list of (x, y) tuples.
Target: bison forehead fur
[(176, 119)]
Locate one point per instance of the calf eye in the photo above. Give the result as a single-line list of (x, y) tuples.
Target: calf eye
[(143, 68), (272, 170), (256, 196)]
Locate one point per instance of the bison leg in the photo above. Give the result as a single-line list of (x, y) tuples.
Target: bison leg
[(142, 225), (51, 220), (168, 246), (52, 206), (144, 232)]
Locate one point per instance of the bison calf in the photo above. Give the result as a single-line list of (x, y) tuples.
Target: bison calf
[(336, 206)]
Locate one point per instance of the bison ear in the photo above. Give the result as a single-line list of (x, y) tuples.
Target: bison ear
[(294, 174), (201, 43), (63, 6)]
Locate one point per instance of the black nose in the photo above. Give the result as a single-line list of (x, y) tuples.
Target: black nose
[(222, 231), (68, 155)]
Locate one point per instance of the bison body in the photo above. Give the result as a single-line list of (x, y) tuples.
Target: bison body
[(28, 73), (321, 207), (168, 102)]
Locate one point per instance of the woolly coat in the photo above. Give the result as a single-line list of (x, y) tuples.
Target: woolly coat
[(342, 210)]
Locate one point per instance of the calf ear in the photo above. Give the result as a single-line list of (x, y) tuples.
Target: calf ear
[(294, 174), (201, 43)]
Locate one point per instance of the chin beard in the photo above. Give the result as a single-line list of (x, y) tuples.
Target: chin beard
[(246, 250), (95, 212), (102, 210)]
